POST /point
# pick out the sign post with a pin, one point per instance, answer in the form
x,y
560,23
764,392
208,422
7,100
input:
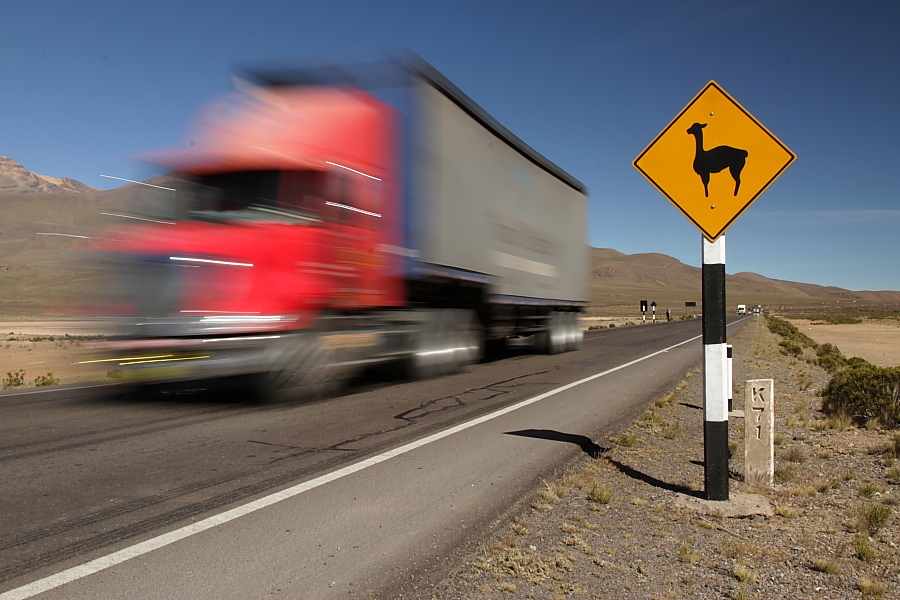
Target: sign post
x,y
715,372
712,162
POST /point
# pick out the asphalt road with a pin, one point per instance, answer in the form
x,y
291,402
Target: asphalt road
x,y
193,494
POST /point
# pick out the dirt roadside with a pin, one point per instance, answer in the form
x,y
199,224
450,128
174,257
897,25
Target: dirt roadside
x,y
616,525
37,349
57,347
877,341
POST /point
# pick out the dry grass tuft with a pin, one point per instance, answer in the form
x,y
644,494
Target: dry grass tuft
x,y
626,440
862,549
744,574
827,566
569,528
840,422
688,555
667,400
786,511
868,490
803,491
795,453
520,526
785,473
871,517
503,560
871,589
600,495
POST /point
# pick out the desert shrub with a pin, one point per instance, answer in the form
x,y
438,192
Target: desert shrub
x,y
48,379
870,518
830,358
789,332
836,319
790,348
14,379
857,361
827,348
865,392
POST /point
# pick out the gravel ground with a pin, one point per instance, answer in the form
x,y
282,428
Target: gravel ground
x,y
614,525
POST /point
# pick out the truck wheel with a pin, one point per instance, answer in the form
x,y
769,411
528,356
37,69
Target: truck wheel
x,y
559,333
553,339
472,338
577,332
449,342
301,367
424,358
445,341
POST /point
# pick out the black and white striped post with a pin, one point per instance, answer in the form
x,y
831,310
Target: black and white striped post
x,y
715,372
730,381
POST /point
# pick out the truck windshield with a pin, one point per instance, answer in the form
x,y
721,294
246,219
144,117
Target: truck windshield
x,y
254,196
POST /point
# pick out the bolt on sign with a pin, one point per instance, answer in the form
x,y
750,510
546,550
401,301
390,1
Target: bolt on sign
x,y
713,160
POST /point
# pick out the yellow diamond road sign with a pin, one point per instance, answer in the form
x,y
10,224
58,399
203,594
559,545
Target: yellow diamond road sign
x,y
713,160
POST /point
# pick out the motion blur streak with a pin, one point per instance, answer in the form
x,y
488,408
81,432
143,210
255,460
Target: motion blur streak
x,y
210,261
386,217
328,162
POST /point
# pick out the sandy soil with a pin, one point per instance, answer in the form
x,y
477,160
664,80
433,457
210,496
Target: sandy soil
x,y
877,341
57,347
40,348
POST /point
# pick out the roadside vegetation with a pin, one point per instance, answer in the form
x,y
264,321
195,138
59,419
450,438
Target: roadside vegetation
x,y
858,391
43,350
612,525
16,379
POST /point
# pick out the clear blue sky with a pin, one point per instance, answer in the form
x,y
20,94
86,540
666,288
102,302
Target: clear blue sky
x,y
588,84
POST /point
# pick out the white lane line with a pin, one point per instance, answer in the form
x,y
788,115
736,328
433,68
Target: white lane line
x,y
111,560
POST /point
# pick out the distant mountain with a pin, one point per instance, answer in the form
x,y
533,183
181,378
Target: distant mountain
x,y
16,178
618,279
42,230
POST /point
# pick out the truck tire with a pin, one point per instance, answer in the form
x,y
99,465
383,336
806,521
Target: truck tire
x,y
577,332
444,341
424,358
300,367
555,338
559,333
472,338
572,331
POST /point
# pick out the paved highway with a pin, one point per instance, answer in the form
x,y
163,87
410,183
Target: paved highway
x,y
196,494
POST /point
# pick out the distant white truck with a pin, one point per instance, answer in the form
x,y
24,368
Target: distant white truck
x,y
742,309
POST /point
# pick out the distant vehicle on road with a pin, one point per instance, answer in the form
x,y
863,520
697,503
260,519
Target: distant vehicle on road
x,y
742,309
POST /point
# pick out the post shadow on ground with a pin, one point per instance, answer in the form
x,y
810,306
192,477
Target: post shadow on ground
x,y
594,450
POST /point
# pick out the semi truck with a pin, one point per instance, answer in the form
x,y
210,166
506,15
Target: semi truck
x,y
325,219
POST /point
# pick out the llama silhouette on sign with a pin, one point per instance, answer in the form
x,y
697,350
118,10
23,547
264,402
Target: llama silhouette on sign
x,y
717,159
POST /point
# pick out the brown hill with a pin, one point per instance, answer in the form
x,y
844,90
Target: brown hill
x,y
42,231
623,280
42,235
16,178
